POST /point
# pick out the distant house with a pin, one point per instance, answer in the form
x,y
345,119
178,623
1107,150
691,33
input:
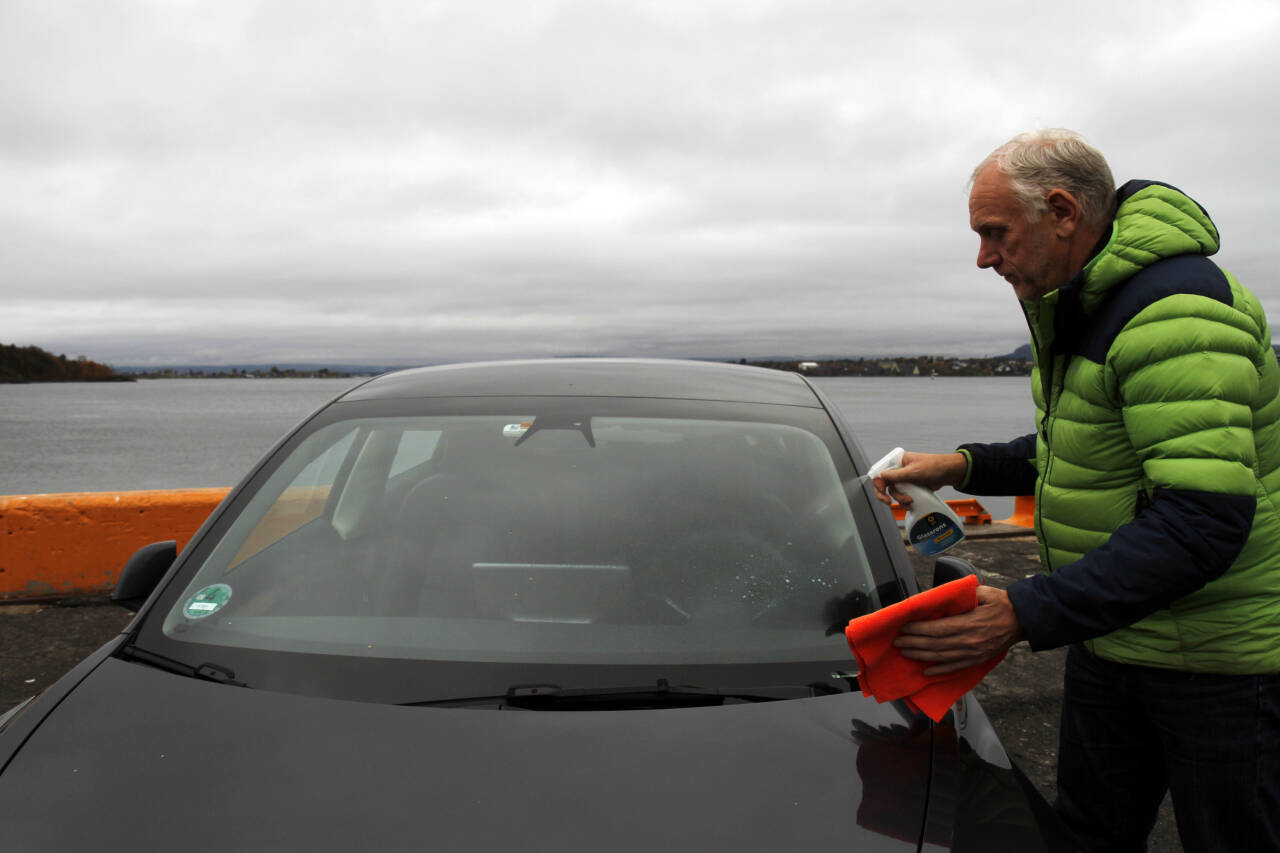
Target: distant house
x,y
808,365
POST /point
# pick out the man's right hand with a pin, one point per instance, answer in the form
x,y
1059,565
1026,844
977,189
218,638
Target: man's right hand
x,y
931,470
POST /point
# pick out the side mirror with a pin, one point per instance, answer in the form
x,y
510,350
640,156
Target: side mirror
x,y
142,572
948,569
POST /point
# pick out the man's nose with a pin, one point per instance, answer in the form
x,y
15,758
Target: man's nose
x,y
987,256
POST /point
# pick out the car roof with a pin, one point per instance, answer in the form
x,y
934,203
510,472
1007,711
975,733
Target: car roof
x,y
593,377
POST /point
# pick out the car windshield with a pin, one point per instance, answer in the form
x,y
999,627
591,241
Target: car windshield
x,y
544,533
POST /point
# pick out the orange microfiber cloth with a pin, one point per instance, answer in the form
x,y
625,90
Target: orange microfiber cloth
x,y
883,673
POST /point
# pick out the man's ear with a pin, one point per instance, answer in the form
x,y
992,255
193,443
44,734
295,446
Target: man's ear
x,y
1065,211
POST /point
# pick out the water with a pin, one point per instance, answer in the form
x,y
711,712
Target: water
x,y
184,433
153,434
934,415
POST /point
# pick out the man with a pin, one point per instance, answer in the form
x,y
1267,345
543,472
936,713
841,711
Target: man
x,y
1156,470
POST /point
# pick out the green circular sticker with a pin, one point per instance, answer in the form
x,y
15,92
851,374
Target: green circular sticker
x,y
207,601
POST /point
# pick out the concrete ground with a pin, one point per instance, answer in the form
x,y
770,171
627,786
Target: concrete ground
x,y
1023,696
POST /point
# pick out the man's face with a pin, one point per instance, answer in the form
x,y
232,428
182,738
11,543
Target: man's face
x,y
1026,254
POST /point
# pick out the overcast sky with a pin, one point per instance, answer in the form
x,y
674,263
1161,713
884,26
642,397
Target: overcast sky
x,y
404,183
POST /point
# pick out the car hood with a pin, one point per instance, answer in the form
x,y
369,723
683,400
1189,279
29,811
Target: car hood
x,y
145,759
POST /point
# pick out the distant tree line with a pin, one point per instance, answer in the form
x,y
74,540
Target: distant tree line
x,y
1016,363
238,373
918,365
32,364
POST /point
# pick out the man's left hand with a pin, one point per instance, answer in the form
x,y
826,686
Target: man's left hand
x,y
954,643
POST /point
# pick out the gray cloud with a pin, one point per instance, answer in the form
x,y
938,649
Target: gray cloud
x,y
407,182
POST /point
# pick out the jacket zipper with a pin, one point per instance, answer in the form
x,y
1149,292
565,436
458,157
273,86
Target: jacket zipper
x,y
1044,478
1044,427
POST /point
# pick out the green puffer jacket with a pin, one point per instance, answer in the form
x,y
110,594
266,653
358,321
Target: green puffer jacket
x,y
1156,456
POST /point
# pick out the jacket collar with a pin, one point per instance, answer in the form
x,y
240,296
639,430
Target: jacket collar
x,y
1153,220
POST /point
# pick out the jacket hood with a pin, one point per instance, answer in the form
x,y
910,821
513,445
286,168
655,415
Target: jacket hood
x,y
1153,221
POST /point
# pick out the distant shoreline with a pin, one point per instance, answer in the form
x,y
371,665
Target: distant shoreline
x,y
27,365
10,380
923,365
273,373
1009,365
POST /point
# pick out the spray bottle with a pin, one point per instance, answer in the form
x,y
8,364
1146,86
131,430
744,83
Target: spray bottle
x,y
932,527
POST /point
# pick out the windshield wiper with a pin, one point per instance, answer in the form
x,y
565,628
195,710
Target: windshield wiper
x,y
553,697
205,672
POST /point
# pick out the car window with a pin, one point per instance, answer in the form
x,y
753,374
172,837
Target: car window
x,y
303,498
416,447
553,536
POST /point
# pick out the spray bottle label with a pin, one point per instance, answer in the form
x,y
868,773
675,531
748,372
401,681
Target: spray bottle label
x,y
934,533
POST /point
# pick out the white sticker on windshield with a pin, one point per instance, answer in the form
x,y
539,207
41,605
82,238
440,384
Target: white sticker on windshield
x,y
516,430
207,601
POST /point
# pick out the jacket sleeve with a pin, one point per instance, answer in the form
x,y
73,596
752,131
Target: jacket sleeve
x,y
1183,540
1005,468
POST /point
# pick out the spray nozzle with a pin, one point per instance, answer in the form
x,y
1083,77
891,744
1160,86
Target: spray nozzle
x,y
892,459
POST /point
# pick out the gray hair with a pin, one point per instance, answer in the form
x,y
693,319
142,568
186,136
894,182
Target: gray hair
x,y
1043,160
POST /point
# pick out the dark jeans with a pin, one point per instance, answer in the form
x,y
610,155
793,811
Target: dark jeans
x,y
1129,733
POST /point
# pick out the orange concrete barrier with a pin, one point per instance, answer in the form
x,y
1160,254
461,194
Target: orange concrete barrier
x,y
54,546
970,511
1024,512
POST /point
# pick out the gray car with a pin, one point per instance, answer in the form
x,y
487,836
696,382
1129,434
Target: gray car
x,y
547,605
